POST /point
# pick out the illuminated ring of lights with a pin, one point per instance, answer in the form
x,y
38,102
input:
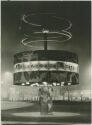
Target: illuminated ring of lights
x,y
24,19
26,41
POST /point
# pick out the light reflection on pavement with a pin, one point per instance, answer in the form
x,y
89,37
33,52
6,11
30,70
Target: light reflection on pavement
x,y
37,114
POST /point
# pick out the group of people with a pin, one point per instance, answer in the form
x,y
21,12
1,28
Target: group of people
x,y
45,100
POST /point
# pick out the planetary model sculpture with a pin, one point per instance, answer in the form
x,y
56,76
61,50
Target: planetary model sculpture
x,y
45,67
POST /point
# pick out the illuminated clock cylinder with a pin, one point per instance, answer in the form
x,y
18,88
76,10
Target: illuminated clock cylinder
x,y
51,66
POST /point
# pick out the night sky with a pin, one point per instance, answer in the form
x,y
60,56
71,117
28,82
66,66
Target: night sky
x,y
79,13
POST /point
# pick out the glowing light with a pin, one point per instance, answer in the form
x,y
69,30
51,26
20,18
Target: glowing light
x,y
36,65
54,83
45,83
27,83
36,84
23,84
24,19
27,19
69,83
58,84
62,83
26,42
32,85
45,31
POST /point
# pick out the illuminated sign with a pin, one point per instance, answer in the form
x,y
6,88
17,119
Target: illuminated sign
x,y
46,66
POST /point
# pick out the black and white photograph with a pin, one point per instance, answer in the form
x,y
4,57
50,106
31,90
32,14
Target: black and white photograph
x,y
45,62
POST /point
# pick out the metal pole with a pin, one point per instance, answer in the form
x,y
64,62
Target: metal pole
x,y
45,41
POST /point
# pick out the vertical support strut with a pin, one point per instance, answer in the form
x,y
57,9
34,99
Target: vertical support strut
x,y
45,41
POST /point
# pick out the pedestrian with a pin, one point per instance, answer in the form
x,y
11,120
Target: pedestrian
x,y
50,102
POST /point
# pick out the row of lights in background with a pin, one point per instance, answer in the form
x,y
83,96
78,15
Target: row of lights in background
x,y
45,84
